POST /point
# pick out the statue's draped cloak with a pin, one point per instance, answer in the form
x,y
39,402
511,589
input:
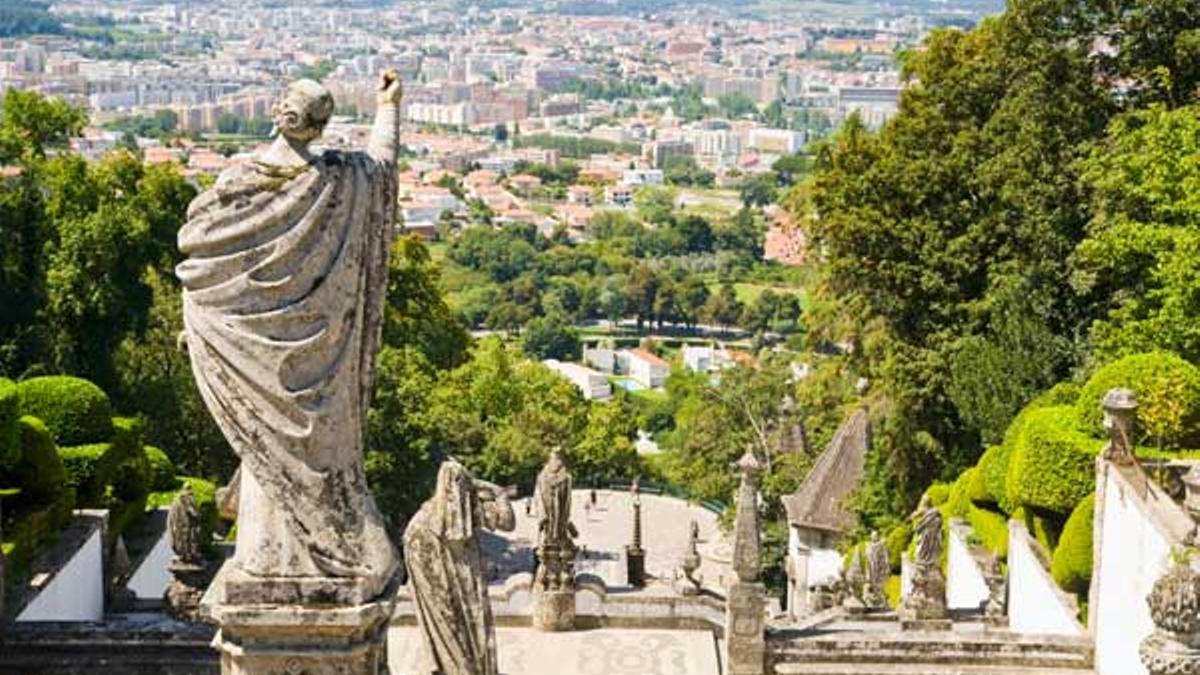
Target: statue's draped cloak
x,y
446,571
284,285
554,505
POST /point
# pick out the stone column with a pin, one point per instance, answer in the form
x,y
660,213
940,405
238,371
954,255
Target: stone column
x,y
745,615
1174,646
635,555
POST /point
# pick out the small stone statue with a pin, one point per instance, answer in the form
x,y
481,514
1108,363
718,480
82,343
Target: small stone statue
x,y
691,561
190,570
184,526
996,608
879,568
925,605
554,582
447,574
855,580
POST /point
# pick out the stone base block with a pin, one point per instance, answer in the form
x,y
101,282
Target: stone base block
x,y
554,610
926,624
243,589
745,633
279,638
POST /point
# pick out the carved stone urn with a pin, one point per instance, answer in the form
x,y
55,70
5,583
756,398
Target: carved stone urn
x,y
1174,646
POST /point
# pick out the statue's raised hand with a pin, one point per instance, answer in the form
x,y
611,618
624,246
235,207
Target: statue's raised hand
x,y
391,90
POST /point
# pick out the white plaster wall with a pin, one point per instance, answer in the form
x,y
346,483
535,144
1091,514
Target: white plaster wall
x,y
152,577
966,587
1133,554
1036,606
76,593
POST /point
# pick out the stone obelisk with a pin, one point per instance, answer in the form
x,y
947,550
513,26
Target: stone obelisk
x,y
745,612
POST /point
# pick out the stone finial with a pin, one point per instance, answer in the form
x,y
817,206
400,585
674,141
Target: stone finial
x,y
1120,411
1174,646
747,548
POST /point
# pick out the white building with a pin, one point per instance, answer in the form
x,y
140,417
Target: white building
x,y
705,359
645,368
639,177
592,384
776,141
603,359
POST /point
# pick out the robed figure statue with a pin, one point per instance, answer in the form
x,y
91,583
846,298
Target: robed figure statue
x,y
284,283
447,575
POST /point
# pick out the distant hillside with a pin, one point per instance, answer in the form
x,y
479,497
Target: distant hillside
x,y
21,17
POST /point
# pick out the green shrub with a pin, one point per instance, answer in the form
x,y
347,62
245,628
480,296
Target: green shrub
x,y
40,474
10,435
993,467
891,590
959,501
30,531
938,493
897,540
1051,466
1072,563
88,471
162,470
992,529
76,411
1168,393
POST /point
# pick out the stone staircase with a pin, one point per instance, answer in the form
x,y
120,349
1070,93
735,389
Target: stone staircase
x,y
877,646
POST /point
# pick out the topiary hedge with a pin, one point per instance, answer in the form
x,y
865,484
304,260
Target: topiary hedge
x,y
40,473
162,470
76,411
938,493
959,501
993,474
10,435
992,529
88,472
1168,393
1072,562
897,540
1051,466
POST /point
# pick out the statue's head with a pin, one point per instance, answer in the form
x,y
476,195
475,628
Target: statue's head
x,y
303,111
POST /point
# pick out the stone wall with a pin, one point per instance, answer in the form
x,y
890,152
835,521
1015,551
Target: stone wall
x,y
1137,525
76,591
1036,605
966,587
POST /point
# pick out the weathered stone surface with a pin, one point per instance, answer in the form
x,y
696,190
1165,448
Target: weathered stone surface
x,y
185,528
691,561
879,568
1174,646
554,583
284,281
745,616
925,605
1120,410
447,576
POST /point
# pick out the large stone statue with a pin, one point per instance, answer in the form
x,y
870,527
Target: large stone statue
x,y
925,605
554,584
446,572
283,290
284,285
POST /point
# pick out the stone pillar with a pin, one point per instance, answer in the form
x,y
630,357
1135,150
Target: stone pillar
x,y
1174,646
554,589
635,555
309,626
745,616
1120,409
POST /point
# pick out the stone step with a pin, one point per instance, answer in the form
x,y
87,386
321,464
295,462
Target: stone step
x,y
930,650
917,669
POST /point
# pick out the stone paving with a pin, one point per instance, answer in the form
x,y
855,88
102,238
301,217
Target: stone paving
x,y
606,528
524,651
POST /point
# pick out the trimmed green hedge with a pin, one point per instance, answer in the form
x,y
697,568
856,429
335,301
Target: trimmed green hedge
x,y
1052,462
1072,563
162,470
89,470
76,411
891,590
992,529
1168,392
938,493
10,435
993,475
897,540
959,501
40,474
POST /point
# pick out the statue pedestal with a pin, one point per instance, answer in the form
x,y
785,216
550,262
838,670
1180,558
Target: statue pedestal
x,y
554,589
925,607
313,637
745,632
186,589
554,611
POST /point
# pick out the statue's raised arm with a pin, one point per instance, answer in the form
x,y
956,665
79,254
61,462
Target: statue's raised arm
x,y
283,292
385,135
